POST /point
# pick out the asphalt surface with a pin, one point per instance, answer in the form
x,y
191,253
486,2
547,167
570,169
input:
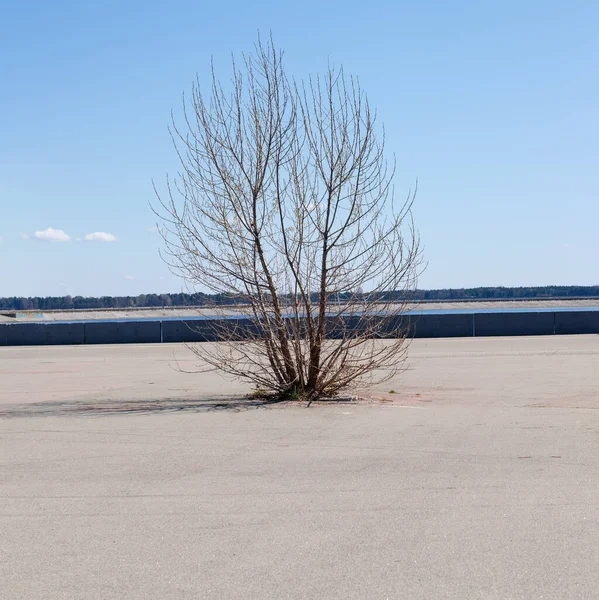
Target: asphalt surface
x,y
121,477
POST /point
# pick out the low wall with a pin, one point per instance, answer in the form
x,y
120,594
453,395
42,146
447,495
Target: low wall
x,y
521,323
208,330
186,331
39,334
574,322
447,325
418,326
123,332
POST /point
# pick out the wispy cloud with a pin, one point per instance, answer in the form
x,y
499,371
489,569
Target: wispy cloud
x,y
129,278
153,229
50,235
100,236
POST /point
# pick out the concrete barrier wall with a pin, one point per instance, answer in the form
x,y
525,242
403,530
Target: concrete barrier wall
x,y
340,327
207,330
415,325
185,331
3,332
574,322
38,334
448,325
419,326
122,332
528,323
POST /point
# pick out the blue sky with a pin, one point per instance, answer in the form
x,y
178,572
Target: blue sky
x,y
492,105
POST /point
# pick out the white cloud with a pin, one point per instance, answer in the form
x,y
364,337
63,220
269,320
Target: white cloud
x,y
129,278
25,236
50,235
100,236
152,229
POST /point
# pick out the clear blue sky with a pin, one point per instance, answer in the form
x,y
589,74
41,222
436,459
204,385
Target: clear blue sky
x,y
493,105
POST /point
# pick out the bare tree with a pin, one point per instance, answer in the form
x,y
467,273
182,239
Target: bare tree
x,y
285,202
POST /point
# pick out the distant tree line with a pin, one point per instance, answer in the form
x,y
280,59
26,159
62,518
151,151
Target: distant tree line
x,y
508,293
141,301
200,299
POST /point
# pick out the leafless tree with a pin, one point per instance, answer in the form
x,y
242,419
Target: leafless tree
x,y
285,202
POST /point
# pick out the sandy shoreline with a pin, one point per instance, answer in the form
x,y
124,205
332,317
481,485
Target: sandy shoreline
x,y
157,313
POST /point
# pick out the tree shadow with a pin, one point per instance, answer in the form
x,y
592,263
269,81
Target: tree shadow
x,y
139,406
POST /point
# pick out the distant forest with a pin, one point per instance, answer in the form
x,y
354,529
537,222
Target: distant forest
x,y
199,299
